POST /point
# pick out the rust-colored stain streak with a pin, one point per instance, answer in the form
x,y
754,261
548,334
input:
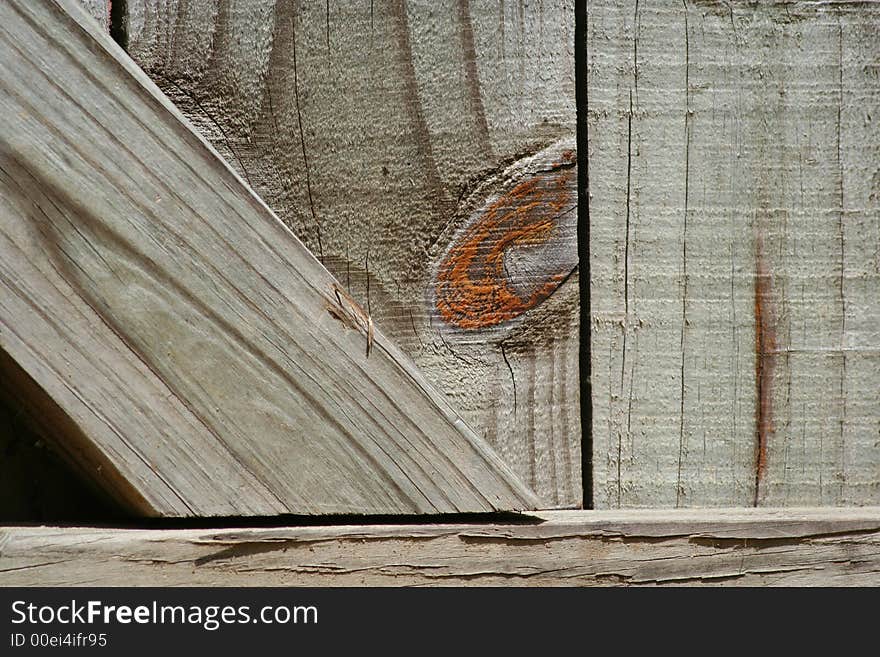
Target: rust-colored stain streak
x,y
765,349
474,287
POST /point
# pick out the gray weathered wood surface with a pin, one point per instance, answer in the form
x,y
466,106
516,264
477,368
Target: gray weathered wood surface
x,y
178,341
394,137
735,213
752,547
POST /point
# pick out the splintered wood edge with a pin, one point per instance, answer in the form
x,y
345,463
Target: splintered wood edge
x,y
788,547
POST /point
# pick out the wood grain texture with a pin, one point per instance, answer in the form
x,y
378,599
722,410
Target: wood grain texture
x,y
735,212
393,137
808,547
190,354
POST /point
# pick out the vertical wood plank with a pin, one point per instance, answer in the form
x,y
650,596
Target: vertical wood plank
x,y
732,154
860,214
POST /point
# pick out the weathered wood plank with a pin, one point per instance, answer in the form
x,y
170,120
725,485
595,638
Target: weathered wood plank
x,y
806,547
734,209
382,133
197,359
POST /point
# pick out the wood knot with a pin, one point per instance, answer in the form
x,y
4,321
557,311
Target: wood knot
x,y
517,249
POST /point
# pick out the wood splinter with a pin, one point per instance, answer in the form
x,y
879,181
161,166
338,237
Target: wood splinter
x,y
353,315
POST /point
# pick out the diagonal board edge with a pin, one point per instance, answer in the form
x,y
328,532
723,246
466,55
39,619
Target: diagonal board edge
x,y
203,361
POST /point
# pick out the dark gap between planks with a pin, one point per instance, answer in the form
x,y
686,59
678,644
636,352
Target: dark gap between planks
x,y
290,520
118,23
583,242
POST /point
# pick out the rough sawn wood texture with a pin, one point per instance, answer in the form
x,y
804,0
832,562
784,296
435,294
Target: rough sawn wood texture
x,y
735,216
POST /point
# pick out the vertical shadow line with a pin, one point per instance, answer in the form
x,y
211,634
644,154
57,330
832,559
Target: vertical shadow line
x,y
119,23
583,240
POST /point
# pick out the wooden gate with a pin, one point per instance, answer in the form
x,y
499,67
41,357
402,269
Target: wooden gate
x,y
277,259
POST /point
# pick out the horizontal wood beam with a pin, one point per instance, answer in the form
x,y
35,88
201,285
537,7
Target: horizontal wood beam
x,y
171,335
793,547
